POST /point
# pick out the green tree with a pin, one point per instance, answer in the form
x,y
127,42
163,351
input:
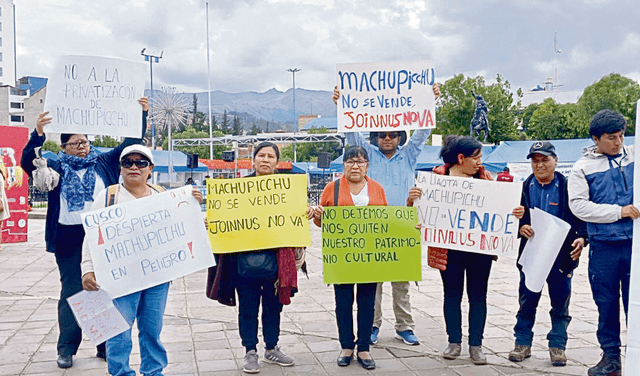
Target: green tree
x,y
224,127
525,115
255,129
308,151
458,105
50,146
201,150
551,121
194,111
613,92
105,141
237,127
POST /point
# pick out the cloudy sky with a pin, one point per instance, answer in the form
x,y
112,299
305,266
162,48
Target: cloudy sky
x,y
254,42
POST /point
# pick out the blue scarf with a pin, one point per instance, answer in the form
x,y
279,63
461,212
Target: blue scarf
x,y
74,190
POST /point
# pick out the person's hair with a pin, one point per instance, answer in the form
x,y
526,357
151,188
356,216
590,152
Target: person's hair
x,y
606,121
266,144
454,145
506,169
64,138
355,151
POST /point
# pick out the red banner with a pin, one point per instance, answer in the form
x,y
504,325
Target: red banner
x,y
12,142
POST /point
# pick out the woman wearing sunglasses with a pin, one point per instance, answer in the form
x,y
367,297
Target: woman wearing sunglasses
x,y
83,174
146,306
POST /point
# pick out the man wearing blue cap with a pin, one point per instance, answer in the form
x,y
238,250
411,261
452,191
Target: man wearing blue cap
x,y
546,190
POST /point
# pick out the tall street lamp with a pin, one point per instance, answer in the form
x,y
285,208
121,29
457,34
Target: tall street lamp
x,y
151,59
295,123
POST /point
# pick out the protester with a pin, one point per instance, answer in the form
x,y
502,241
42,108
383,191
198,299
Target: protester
x,y
546,189
4,205
505,175
353,189
462,156
601,194
84,172
394,167
269,275
146,306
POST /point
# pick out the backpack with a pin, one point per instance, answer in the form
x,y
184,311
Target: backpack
x,y
112,193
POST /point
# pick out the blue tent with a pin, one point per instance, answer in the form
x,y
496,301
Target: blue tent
x,y
312,168
516,152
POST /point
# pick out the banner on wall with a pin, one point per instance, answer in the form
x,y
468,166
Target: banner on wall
x,y
258,212
467,214
12,141
96,95
370,244
395,96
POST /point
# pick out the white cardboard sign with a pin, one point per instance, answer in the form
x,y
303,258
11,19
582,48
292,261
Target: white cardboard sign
x,y
96,95
97,316
145,242
385,97
467,214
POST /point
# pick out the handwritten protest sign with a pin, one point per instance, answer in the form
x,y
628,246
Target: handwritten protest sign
x,y
97,316
370,244
145,242
96,95
468,214
386,96
257,213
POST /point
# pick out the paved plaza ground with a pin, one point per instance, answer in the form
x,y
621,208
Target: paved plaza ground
x,y
201,336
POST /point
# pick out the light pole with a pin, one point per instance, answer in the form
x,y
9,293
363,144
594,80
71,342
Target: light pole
x,y
295,123
209,85
151,59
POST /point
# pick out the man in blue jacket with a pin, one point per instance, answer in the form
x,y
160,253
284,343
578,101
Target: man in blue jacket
x,y
601,194
546,190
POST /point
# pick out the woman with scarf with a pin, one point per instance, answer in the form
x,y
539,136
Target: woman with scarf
x,y
462,156
269,275
84,172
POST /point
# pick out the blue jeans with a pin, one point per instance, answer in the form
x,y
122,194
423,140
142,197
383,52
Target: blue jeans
x,y
559,285
365,298
147,307
477,268
609,274
250,291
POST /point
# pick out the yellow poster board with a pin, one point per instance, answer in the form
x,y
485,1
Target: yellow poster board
x,y
258,212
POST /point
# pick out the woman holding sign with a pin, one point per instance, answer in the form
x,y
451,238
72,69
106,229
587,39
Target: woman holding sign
x,y
84,172
462,156
268,275
146,306
353,189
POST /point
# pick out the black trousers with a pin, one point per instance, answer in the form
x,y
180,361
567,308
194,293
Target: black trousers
x,y
250,292
365,298
68,258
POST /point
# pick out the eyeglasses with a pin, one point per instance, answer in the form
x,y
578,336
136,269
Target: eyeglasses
x,y
140,163
360,163
78,144
391,135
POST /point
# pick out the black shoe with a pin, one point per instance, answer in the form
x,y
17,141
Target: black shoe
x,y
101,354
609,366
367,363
65,361
344,361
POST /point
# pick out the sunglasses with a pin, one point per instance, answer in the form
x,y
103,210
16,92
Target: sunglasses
x,y
140,163
391,135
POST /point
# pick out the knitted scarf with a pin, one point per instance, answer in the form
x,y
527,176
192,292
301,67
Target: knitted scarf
x,y
74,190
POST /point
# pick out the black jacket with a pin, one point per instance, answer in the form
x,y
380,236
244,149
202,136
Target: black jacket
x,y
107,167
578,228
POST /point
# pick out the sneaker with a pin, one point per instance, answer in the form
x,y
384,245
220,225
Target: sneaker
x,y
407,337
251,364
452,351
558,357
477,356
609,366
520,353
374,335
276,356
